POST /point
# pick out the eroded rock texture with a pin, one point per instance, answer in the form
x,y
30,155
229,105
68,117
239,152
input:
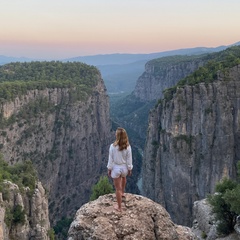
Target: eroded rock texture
x,y
67,140
141,219
34,222
193,142
163,73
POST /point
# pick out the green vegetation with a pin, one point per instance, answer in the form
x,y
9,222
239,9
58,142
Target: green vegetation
x,y
102,187
115,98
17,78
22,174
31,109
208,110
187,138
215,62
226,204
62,226
14,216
204,235
51,234
160,64
127,104
178,118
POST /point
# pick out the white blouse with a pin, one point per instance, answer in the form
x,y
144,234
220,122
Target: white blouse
x,y
119,157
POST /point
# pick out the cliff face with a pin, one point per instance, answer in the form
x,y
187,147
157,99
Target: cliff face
x,y
22,216
193,142
140,219
66,140
159,76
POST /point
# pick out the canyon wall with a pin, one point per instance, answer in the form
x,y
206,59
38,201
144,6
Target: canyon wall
x,y
192,142
65,136
164,73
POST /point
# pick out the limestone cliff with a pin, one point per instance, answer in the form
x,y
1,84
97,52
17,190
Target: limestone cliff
x,y
22,215
140,219
65,133
192,142
163,73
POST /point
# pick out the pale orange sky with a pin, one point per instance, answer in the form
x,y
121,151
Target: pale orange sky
x,y
57,29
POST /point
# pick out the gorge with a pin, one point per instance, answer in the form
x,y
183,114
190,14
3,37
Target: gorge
x,y
183,115
192,131
193,137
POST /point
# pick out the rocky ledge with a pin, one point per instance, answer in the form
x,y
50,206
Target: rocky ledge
x,y
140,219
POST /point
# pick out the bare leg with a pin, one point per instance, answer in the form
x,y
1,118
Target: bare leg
x,y
118,188
124,181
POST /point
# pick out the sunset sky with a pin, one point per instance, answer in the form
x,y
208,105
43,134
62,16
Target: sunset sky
x,y
57,29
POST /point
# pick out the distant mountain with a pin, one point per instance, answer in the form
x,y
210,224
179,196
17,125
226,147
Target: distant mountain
x,y
121,78
117,58
120,58
121,71
5,59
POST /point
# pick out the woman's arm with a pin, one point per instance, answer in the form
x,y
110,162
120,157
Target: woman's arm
x,y
129,158
110,158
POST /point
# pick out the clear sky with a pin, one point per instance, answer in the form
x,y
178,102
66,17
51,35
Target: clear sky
x,y
57,29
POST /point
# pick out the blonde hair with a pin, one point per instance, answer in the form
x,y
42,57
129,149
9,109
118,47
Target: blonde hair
x,y
121,139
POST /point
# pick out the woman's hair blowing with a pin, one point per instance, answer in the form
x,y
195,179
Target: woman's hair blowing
x,y
121,139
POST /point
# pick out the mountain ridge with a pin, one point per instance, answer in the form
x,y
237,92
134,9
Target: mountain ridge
x,y
120,71
123,58
120,58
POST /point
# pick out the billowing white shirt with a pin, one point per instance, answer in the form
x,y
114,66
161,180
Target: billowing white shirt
x,y
119,157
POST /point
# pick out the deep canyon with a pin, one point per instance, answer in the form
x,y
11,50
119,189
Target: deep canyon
x,y
60,120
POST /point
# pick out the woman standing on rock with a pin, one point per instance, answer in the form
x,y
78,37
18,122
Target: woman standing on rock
x,y
120,164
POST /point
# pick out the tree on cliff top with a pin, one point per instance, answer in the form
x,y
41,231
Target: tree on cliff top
x,y
215,63
17,78
22,174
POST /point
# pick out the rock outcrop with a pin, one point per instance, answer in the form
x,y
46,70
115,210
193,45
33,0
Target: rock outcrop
x,y
22,215
141,219
67,140
205,225
193,142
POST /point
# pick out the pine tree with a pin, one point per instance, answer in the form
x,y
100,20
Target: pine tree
x,y
102,187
